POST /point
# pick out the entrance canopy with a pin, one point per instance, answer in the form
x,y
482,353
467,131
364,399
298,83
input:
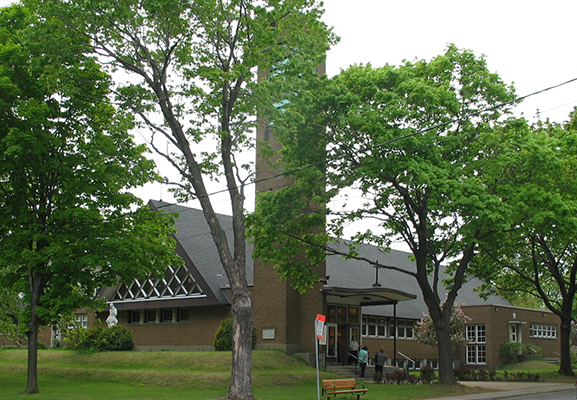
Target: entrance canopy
x,y
373,296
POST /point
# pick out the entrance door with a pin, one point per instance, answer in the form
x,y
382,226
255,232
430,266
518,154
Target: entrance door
x,y
514,333
332,341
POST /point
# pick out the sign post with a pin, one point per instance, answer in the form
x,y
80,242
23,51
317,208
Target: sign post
x,y
319,333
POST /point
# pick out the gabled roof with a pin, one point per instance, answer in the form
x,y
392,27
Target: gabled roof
x,y
345,277
361,274
193,235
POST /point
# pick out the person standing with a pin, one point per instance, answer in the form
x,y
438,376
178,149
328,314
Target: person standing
x,y
353,350
380,360
363,360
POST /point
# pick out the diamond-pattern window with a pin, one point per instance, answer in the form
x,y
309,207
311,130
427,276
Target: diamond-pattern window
x,y
177,282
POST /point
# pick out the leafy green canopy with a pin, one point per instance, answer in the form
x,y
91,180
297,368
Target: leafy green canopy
x,y
67,221
195,70
196,64
534,173
405,139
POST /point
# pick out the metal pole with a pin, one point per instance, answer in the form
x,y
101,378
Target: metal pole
x,y
395,337
317,363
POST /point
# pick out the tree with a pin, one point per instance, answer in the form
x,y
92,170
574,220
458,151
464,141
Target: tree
x,y
194,67
535,174
68,225
405,138
10,314
425,329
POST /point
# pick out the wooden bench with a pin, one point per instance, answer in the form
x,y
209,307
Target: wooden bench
x,y
332,387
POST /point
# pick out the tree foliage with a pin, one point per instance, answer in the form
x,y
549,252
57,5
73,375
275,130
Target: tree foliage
x,y
101,338
534,170
405,140
223,336
194,69
425,329
68,225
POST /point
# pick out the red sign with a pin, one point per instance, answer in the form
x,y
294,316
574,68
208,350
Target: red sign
x,y
320,327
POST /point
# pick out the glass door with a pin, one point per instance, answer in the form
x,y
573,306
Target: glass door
x,y
332,341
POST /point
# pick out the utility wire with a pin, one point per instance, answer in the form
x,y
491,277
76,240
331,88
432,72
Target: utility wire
x,y
328,160
418,132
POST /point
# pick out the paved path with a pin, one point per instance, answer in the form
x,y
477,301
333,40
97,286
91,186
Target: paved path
x,y
505,390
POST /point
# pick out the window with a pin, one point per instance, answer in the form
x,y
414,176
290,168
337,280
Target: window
x,y
81,320
150,316
353,315
134,317
166,315
183,315
178,281
543,331
476,349
409,330
365,327
332,314
374,326
382,327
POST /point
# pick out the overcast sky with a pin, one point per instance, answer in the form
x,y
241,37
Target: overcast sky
x,y
530,43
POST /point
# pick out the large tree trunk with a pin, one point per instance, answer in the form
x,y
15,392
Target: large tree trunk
x,y
241,375
35,290
565,368
445,348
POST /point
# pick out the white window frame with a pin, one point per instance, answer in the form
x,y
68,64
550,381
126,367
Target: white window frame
x,y
374,326
81,320
544,331
476,347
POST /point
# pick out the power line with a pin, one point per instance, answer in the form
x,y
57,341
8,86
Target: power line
x,y
326,161
418,132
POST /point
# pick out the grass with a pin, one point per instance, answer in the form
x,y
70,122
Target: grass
x,y
546,371
65,374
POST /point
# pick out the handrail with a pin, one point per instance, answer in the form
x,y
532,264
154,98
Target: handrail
x,y
410,359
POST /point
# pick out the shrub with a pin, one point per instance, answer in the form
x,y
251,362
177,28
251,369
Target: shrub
x,y
98,338
223,336
466,374
427,373
512,352
401,377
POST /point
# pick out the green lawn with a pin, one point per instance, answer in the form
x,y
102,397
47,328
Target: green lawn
x,y
65,374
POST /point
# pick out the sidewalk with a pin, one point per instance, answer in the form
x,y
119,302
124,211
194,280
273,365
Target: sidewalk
x,y
503,390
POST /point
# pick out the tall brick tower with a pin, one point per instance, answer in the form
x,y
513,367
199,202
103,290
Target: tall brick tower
x,y
283,318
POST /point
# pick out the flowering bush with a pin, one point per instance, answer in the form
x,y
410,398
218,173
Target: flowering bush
x,y
401,377
425,329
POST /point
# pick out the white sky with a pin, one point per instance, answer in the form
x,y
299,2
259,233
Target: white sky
x,y
531,43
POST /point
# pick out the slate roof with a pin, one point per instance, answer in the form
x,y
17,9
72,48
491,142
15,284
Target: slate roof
x,y
194,236
360,274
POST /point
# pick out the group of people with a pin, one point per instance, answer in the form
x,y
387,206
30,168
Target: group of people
x,y
363,357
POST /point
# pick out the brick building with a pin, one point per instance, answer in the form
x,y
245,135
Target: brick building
x,y
183,310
